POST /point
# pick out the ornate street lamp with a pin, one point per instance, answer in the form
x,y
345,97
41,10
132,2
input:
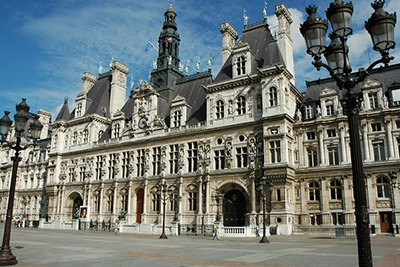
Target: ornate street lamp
x,y
218,197
393,178
165,194
381,28
261,188
21,118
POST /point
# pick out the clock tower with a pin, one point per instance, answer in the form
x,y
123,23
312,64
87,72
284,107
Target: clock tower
x,y
167,71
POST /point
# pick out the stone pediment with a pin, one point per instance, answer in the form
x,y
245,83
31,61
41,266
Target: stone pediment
x,y
143,89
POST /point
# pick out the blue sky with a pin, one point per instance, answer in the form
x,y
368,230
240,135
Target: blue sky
x,y
47,45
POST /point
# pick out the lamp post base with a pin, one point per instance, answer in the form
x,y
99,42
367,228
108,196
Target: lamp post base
x,y
7,258
163,236
264,239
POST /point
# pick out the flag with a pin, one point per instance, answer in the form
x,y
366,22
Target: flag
x,y
148,47
168,40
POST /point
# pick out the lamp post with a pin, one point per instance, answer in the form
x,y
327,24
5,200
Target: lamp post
x,y
381,28
218,196
21,118
393,178
262,191
165,194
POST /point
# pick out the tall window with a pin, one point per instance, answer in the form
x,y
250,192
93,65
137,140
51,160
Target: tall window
x,y
275,151
312,157
177,118
373,99
329,109
241,157
273,97
156,160
336,190
79,110
140,159
155,202
99,167
82,173
337,218
314,191
192,201
219,159
86,136
379,150
333,155
125,164
376,127
112,166
219,109
116,130
124,202
241,65
192,157
110,202
241,105
311,135
75,139
173,159
383,187
331,132
309,112
97,203
71,174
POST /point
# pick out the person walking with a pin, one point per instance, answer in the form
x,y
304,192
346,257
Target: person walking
x,y
216,232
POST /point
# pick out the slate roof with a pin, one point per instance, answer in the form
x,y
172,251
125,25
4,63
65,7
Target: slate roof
x,y
385,75
262,44
64,114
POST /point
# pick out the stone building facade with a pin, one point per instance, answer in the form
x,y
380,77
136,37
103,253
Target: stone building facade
x,y
210,141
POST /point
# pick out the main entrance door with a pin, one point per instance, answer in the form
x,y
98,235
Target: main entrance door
x,y
386,222
139,205
234,208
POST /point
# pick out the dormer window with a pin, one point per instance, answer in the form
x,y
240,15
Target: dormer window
x,y
177,118
329,109
116,130
373,100
309,112
79,110
241,65
219,109
241,105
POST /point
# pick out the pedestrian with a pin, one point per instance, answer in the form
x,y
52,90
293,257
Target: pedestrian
x,y
116,230
216,232
257,231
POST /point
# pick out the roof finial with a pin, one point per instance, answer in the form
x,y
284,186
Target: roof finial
x,y
65,99
198,65
112,60
265,10
100,68
209,62
245,17
170,3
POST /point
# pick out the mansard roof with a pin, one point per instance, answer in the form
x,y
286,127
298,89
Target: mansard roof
x,y
385,75
263,46
99,96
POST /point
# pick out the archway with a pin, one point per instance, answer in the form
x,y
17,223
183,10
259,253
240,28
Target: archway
x,y
139,205
74,203
234,208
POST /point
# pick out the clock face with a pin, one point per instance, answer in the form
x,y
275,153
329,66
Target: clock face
x,y
143,123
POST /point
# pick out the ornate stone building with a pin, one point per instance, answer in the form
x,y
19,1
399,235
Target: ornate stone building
x,y
210,141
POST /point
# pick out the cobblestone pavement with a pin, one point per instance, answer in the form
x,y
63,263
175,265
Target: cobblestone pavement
x,y
59,248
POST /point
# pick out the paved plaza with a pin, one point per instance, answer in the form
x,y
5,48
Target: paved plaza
x,y
59,248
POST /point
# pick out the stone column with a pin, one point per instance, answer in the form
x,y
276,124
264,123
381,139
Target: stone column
x,y
146,194
301,148
200,200
342,135
321,145
129,198
389,138
89,194
253,193
114,208
303,202
101,199
207,196
324,198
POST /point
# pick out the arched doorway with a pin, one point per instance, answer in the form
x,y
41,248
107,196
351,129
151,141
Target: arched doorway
x,y
73,207
234,208
139,205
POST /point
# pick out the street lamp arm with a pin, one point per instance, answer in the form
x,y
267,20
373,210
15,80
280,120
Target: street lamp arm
x,y
318,63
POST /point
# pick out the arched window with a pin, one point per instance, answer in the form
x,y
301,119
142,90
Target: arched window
x,y
219,109
314,191
241,105
382,187
336,190
273,96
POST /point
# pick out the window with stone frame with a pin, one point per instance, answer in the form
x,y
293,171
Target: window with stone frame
x,y
192,201
259,102
336,189
219,159
275,151
241,65
338,218
110,202
398,124
331,133
112,166
311,135
71,174
97,202
241,157
99,167
124,202
373,100
173,201
192,157
155,202
376,127
177,118
309,112
383,187
140,162
126,159
82,173
173,159
312,157
329,108
219,109
273,96
314,189
156,162
379,150
75,139
116,130
86,136
333,155
79,109
241,105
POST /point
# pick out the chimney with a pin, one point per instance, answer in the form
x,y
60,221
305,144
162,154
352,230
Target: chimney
x,y
229,37
118,86
88,81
